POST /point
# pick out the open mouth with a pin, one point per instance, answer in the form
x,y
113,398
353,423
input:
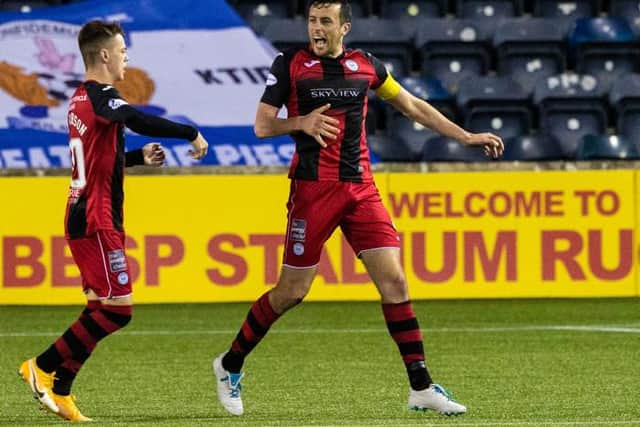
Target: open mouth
x,y
319,42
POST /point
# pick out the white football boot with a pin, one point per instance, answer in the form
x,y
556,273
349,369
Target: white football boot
x,y
228,387
435,398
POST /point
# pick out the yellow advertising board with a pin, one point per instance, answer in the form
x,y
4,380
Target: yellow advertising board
x,y
207,238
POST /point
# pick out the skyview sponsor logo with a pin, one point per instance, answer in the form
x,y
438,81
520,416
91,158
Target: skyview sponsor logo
x,y
327,92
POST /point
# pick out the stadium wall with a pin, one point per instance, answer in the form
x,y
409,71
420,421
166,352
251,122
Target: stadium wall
x,y
219,238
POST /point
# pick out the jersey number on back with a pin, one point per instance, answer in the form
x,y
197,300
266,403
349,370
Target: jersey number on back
x,y
78,178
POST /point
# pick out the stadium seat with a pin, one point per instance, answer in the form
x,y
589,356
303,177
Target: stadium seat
x,y
494,104
604,47
412,9
571,106
389,150
607,147
529,49
259,13
628,10
488,9
413,134
624,97
385,40
409,134
453,49
24,6
430,90
286,33
443,149
566,9
534,148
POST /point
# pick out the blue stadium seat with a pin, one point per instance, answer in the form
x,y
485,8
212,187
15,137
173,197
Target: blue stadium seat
x,y
361,8
532,148
412,9
495,104
430,90
607,147
628,10
390,150
414,135
385,40
571,106
567,9
443,149
488,9
259,13
529,49
25,6
409,134
604,47
285,33
624,97
454,49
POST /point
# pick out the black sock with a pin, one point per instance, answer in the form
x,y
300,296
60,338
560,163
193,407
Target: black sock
x,y
418,375
233,361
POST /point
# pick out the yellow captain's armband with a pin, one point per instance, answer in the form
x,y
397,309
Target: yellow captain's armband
x,y
389,89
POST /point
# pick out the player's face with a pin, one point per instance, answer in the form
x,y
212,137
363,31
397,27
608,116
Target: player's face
x,y
117,57
325,30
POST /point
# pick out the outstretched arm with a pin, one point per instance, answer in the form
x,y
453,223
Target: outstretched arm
x,y
422,112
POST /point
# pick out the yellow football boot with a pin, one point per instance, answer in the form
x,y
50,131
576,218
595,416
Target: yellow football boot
x,y
68,409
39,382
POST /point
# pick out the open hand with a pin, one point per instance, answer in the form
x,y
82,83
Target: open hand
x,y
319,126
492,144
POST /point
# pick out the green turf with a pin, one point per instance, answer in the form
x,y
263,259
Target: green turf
x,y
334,364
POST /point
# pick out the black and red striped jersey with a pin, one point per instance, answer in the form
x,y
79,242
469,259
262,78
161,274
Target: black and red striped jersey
x,y
97,116
303,82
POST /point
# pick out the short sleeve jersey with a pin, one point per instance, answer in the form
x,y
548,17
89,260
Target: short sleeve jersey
x,y
303,82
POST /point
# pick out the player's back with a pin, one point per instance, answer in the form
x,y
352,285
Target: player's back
x,y
97,154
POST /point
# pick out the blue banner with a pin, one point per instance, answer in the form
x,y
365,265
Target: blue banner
x,y
191,61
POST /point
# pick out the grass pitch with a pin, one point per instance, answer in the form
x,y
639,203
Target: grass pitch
x,y
512,362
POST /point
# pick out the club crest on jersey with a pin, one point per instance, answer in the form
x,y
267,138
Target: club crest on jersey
x,y
117,260
115,103
298,249
298,230
351,64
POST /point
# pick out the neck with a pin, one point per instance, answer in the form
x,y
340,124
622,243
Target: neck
x,y
99,75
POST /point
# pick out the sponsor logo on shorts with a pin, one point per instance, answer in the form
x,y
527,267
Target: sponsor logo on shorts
x,y
298,230
298,249
117,260
123,278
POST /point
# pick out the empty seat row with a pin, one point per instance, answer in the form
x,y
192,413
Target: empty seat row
x,y
409,9
531,147
453,49
565,107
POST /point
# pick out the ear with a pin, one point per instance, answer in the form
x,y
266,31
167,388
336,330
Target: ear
x,y
346,27
104,55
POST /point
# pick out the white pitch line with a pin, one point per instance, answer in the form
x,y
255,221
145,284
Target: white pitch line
x,y
552,328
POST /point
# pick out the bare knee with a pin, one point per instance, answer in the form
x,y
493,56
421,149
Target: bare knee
x,y
287,294
394,289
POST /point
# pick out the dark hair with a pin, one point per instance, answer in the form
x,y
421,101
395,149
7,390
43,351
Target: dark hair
x,y
345,8
93,36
